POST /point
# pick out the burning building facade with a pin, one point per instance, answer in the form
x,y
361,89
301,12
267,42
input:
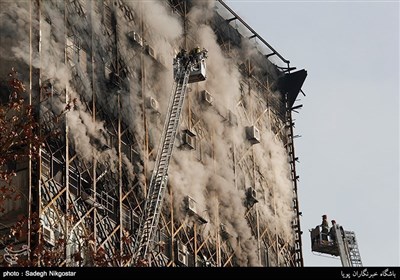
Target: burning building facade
x,y
231,198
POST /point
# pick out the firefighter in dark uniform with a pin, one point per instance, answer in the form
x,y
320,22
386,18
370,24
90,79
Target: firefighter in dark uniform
x,y
194,55
325,228
332,234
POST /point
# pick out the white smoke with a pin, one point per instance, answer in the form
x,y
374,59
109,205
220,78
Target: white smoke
x,y
158,18
52,64
231,214
278,213
15,27
211,182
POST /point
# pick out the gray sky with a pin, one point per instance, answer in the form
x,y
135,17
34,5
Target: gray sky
x,y
349,123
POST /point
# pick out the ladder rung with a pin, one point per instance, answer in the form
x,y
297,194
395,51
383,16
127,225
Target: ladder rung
x,y
157,188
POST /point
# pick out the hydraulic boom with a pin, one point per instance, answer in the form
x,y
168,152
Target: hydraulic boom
x,y
188,68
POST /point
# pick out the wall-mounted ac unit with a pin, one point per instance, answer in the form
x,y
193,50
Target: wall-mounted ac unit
x,y
182,259
151,52
232,118
223,227
153,104
128,71
115,80
224,231
189,139
70,50
191,204
161,59
48,235
181,247
207,97
181,253
107,71
252,195
253,134
135,38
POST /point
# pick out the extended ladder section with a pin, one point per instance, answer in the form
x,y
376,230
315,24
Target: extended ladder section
x,y
354,253
337,243
188,68
342,248
348,248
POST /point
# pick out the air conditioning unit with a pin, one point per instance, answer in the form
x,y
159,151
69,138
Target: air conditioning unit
x,y
115,80
135,38
107,71
253,134
48,235
224,232
182,259
252,195
128,71
223,227
181,247
207,97
70,50
162,60
232,118
191,204
181,253
153,104
150,51
189,139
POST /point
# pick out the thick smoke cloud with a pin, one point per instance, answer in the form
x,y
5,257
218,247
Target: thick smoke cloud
x,y
219,192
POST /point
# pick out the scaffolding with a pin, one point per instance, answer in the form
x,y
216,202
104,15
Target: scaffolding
x,y
94,202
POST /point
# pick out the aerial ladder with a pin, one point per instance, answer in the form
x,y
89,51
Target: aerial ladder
x,y
338,242
188,68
